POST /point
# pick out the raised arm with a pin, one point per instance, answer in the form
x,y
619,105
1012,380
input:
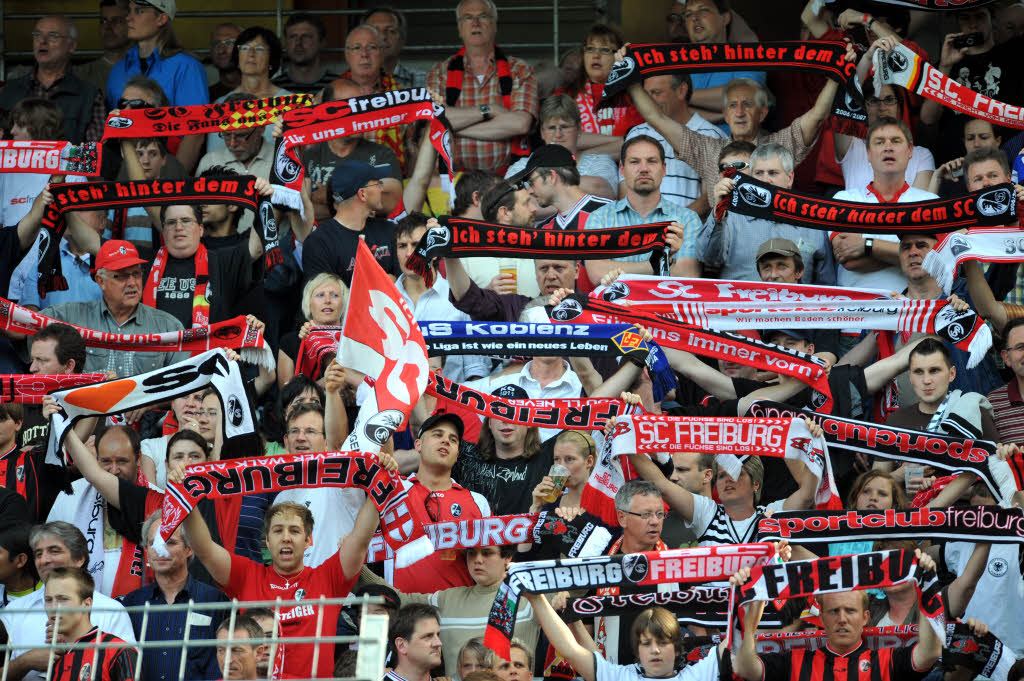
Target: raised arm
x,y
264,189
929,647
415,192
105,483
745,663
803,497
353,546
990,309
962,588
335,415
562,638
214,557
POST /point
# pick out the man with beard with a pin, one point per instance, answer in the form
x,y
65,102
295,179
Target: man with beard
x,y
118,271
304,38
552,179
642,164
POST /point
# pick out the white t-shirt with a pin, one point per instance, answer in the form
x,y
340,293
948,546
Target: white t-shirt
x,y
19,190
997,599
890,278
28,630
156,449
705,670
857,170
335,511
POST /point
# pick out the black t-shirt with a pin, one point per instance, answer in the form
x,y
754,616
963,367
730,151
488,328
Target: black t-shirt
x,y
332,248
506,484
10,254
35,430
230,280
913,418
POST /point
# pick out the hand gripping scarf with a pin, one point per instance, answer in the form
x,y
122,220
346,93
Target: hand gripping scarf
x,y
690,566
994,206
825,57
32,388
727,437
463,238
211,369
353,116
797,579
706,606
234,334
54,158
908,70
661,295
719,345
951,454
570,413
987,524
355,470
199,119
984,244
237,190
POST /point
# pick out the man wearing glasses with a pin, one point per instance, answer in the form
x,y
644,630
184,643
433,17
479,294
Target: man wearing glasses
x,y
244,150
115,42
491,99
54,40
118,271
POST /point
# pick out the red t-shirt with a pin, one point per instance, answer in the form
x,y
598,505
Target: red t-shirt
x,y
444,568
251,581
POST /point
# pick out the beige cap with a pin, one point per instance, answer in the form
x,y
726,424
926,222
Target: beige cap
x,y
783,247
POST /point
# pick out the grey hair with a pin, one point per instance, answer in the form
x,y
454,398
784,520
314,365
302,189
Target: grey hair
x,y
68,534
771,150
492,9
154,519
70,25
367,27
762,97
633,488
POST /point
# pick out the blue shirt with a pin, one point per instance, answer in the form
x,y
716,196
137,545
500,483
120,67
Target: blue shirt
x,y
703,81
161,664
182,77
81,286
621,214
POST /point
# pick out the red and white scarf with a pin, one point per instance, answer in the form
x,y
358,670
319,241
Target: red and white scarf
x,y
661,295
906,68
32,388
233,334
54,158
356,470
984,244
200,304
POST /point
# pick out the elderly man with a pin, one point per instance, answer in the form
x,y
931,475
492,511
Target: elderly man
x,y
115,42
304,39
54,40
118,271
393,30
490,113
733,242
244,151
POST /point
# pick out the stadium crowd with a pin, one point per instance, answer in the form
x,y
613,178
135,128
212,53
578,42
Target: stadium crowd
x,y
531,146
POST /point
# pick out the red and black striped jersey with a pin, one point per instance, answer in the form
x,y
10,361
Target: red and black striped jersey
x,y
110,664
860,664
39,483
576,217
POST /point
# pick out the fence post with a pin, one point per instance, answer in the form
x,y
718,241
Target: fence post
x,y
185,649
373,636
142,639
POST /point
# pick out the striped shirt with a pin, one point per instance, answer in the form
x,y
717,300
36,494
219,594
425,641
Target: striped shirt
x,y
621,214
1008,412
860,664
101,664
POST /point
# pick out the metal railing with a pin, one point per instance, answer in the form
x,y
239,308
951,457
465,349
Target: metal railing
x,y
280,15
371,640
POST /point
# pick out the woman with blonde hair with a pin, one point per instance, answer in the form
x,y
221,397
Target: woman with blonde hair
x,y
324,300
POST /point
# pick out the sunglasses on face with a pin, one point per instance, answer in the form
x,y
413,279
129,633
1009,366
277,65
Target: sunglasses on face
x,y
133,104
738,165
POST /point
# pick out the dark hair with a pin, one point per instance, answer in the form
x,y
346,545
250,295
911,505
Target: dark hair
x,y
600,31
501,195
224,171
43,119
637,140
307,18
1016,672
295,387
143,142
887,122
191,436
387,9
569,175
986,154
133,437
273,42
683,79
86,584
301,409
661,625
152,87
246,622
410,223
1010,326
13,411
485,444
929,346
110,3
473,181
69,344
899,497
736,147
196,211
408,617
14,540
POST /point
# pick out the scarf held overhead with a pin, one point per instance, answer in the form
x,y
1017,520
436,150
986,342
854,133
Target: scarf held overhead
x,y
907,69
718,345
690,566
237,190
992,206
234,334
54,158
706,606
463,238
358,470
31,388
658,295
354,116
983,244
199,119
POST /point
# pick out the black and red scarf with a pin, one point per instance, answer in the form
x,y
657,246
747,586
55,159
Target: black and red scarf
x,y
201,265
238,190
731,347
993,206
200,119
464,238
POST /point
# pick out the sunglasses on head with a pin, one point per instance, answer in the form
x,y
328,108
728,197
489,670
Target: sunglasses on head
x,y
133,104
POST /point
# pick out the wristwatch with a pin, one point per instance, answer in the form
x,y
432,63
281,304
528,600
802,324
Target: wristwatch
x,y
868,243
485,111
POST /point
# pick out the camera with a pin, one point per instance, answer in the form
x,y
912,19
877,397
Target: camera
x,y
968,40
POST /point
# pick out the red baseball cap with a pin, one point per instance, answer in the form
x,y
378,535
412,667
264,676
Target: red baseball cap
x,y
116,255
